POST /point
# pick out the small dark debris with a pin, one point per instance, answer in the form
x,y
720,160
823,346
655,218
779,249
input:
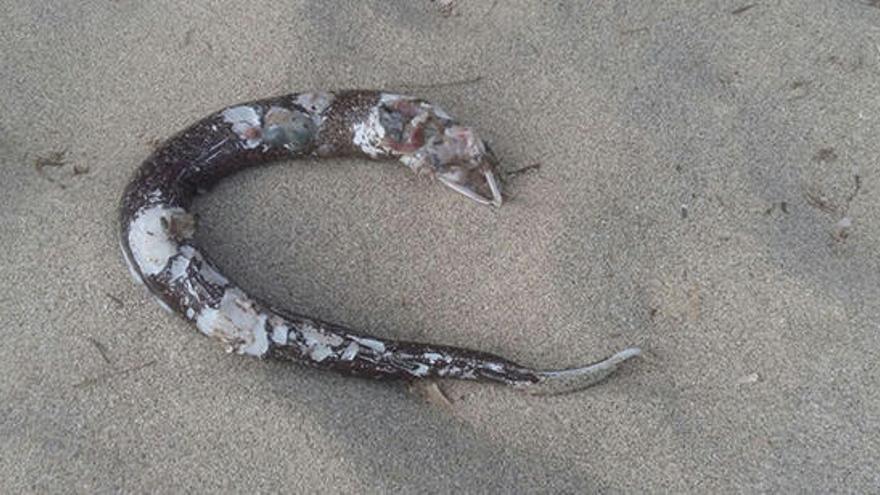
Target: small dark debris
x,y
845,65
825,155
102,349
856,189
53,159
188,37
115,299
80,169
446,7
743,9
842,229
684,212
527,168
728,79
783,207
628,32
818,200
121,373
799,90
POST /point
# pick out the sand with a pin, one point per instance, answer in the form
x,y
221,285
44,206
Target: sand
x,y
706,190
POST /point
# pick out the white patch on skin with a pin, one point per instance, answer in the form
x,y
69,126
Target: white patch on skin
x,y
453,370
210,274
320,353
189,252
244,118
411,161
421,370
350,352
193,287
178,267
277,115
393,97
368,135
207,271
433,357
155,196
315,102
456,372
151,246
237,323
494,367
440,113
370,343
318,343
280,333
130,264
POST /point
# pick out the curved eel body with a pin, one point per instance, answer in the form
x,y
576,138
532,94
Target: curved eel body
x,y
157,230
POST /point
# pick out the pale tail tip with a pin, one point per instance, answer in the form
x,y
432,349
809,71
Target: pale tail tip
x,y
574,379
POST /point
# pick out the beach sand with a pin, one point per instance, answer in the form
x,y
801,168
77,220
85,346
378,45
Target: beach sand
x,y
707,190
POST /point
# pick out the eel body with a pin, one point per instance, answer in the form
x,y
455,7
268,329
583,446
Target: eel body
x,y
157,230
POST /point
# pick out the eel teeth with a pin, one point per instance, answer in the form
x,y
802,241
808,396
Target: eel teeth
x,y
493,186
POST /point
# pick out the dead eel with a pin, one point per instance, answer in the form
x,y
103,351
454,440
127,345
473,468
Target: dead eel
x,y
157,230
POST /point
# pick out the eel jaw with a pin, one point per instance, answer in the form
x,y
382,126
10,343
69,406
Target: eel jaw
x,y
479,185
575,379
